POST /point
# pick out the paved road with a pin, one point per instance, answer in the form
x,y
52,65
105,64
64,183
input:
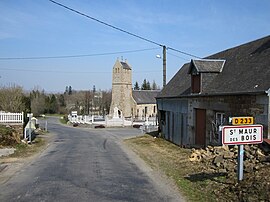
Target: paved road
x,y
85,165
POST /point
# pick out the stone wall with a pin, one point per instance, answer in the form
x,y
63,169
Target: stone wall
x,y
151,110
256,106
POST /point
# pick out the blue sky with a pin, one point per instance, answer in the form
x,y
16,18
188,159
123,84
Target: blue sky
x,y
31,28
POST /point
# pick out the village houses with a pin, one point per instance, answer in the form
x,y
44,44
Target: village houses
x,y
204,93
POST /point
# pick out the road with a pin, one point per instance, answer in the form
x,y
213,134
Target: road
x,y
82,164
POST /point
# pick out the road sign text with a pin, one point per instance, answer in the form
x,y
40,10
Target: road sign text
x,y
250,134
242,120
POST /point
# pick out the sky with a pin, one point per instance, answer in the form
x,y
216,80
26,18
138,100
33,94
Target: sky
x,y
33,33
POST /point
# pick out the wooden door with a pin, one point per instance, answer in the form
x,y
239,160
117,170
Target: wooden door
x,y
200,137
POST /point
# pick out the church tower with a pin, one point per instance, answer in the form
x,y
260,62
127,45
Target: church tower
x,y
121,88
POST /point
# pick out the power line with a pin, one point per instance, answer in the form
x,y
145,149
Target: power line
x,y
68,72
177,56
104,23
185,53
121,30
74,56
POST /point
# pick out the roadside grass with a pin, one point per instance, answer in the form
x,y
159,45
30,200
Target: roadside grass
x,y
174,162
26,150
63,120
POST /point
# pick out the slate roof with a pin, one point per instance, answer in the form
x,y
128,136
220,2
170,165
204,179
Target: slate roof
x,y
207,65
246,70
125,65
145,96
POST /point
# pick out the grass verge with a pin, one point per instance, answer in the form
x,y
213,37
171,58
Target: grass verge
x,y
26,150
174,162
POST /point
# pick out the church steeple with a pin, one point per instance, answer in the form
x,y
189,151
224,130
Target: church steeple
x,y
121,87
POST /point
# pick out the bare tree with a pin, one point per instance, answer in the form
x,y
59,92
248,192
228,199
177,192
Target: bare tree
x,y
11,98
106,101
37,102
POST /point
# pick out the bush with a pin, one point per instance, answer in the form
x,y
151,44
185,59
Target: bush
x,y
7,136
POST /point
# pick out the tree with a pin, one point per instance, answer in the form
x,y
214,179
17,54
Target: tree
x,y
136,86
146,85
37,102
11,99
87,102
66,91
154,85
61,100
53,104
106,101
26,100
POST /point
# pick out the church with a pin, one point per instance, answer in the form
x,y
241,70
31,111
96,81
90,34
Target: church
x,y
129,103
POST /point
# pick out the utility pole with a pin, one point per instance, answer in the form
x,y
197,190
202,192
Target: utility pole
x,y
164,66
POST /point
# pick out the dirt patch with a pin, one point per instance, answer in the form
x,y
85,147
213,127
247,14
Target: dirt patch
x,y
10,135
198,180
23,154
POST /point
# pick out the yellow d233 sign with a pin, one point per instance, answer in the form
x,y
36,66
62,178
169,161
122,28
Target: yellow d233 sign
x,y
246,120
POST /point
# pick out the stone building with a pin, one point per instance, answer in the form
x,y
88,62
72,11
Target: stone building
x,y
206,92
130,103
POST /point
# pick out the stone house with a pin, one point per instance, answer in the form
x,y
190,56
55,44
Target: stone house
x,y
139,104
204,93
144,103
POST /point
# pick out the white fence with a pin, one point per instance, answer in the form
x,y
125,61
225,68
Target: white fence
x,y
11,118
147,125
85,119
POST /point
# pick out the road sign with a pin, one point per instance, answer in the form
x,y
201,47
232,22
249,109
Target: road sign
x,y
246,134
246,120
30,115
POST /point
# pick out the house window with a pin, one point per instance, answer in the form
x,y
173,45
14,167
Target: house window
x,y
196,83
219,118
154,109
216,133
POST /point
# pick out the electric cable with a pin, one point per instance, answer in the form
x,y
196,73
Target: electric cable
x,y
104,23
120,29
74,56
68,72
178,56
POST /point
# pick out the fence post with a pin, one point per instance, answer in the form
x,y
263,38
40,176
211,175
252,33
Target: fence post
x,y
46,126
30,121
22,117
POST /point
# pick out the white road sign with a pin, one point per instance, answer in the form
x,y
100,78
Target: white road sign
x,y
29,114
246,134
